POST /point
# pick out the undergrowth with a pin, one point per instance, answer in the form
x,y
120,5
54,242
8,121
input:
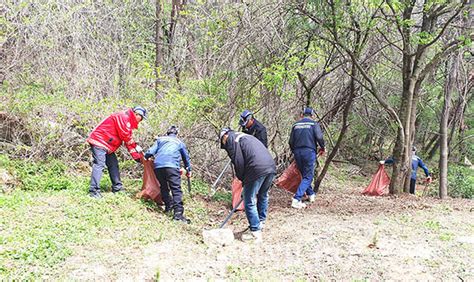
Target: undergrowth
x,y
48,217
461,181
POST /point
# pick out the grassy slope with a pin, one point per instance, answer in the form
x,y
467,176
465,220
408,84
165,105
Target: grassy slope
x,y
65,234
40,230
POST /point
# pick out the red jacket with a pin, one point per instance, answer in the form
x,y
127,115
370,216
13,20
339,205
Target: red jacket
x,y
114,130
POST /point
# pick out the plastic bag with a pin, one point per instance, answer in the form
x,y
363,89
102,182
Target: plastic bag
x,y
290,178
379,183
237,194
151,186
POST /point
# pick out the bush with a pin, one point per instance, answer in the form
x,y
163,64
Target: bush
x,y
461,181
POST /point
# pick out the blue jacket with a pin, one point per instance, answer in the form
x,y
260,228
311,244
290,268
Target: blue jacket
x,y
306,133
415,163
168,152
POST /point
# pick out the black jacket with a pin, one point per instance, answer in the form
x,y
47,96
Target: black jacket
x,y
258,131
250,158
306,133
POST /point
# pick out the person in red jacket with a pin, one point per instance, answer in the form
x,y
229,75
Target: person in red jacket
x,y
106,138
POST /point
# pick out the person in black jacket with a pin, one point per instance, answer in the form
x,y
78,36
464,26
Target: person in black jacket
x,y
253,127
255,167
305,136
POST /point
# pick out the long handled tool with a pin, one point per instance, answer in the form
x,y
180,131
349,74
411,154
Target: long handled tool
x,y
213,187
231,213
189,186
221,236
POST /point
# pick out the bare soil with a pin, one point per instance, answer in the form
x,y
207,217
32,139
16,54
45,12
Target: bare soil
x,y
343,235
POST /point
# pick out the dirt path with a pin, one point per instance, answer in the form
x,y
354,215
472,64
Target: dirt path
x,y
342,236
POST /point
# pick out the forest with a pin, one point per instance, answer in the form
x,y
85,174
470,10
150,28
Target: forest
x,y
382,76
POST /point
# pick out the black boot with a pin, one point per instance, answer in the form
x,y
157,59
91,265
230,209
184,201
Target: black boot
x,y
178,214
95,195
182,219
168,209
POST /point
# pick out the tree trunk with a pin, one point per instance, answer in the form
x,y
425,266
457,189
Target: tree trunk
x,y
451,73
402,151
176,7
345,126
158,46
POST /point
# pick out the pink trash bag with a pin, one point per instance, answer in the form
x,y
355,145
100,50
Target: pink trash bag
x,y
379,183
237,194
151,186
290,179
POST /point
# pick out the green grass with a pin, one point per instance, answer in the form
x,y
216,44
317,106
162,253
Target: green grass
x,y
446,236
39,230
433,225
49,217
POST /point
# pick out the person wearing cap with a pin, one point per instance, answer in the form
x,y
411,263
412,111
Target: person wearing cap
x,y
416,162
255,167
306,135
252,126
105,139
168,151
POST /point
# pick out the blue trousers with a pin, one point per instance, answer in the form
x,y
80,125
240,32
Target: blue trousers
x,y
305,160
102,159
256,200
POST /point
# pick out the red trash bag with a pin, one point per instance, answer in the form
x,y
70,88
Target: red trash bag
x,y
237,194
290,179
379,182
151,186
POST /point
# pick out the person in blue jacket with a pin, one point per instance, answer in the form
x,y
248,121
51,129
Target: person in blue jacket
x,y
416,162
168,151
306,135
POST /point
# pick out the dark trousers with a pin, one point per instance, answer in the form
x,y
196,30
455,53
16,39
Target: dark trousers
x,y
170,180
305,161
412,185
102,159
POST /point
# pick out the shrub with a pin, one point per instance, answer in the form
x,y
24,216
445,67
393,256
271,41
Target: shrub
x,y
461,181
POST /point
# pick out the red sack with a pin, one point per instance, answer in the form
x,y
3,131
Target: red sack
x,y
290,179
151,186
379,182
237,194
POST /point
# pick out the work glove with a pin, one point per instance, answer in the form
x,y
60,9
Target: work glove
x,y
139,149
137,157
188,174
321,152
429,179
382,162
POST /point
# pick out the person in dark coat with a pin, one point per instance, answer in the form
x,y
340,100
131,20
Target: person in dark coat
x,y
416,162
306,135
168,151
255,167
253,127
